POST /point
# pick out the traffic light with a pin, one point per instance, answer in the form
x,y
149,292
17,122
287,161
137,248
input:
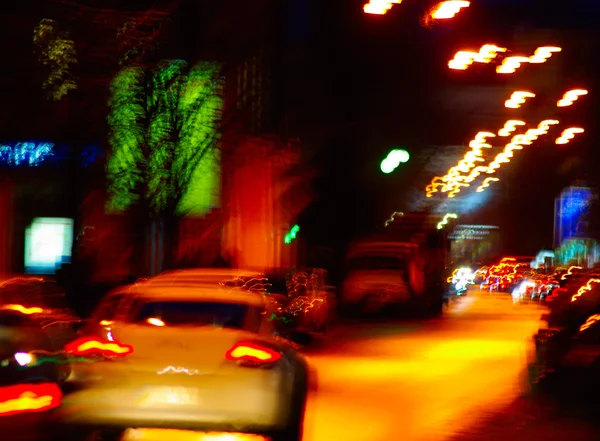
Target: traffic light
x,y
292,234
393,160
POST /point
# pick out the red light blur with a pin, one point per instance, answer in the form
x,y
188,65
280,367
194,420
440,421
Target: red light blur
x,y
97,346
252,352
24,398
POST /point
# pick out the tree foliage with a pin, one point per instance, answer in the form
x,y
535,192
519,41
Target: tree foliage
x,y
164,133
124,34
56,51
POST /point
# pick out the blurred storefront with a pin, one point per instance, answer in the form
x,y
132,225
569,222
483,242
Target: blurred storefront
x,y
580,252
474,243
262,201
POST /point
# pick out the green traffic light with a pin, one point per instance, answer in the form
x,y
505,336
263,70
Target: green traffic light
x,y
393,160
291,235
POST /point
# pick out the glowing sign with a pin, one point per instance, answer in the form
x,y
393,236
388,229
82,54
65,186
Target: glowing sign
x,y
48,244
25,153
472,232
36,153
571,208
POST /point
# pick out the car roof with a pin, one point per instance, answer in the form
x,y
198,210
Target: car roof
x,y
208,273
205,275
190,292
24,278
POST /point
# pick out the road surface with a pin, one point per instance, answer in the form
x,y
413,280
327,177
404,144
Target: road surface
x,y
461,377
457,378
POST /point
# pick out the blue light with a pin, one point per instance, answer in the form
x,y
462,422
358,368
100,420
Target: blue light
x,y
573,205
34,154
26,153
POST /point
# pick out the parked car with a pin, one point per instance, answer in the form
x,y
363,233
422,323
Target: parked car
x,y
45,305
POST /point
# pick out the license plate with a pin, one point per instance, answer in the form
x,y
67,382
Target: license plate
x,y
170,396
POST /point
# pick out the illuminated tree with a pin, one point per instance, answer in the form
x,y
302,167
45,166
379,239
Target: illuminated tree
x,y
164,133
57,52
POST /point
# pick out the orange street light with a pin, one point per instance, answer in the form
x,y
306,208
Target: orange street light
x,y
517,99
448,9
380,7
570,97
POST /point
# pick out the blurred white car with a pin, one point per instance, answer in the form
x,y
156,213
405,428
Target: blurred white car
x,y
189,357
229,278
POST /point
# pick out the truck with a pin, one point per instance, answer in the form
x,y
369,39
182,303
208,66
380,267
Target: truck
x,y
399,269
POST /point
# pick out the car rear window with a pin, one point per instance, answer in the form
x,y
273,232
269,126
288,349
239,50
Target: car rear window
x,y
188,313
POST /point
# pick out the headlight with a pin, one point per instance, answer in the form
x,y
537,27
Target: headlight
x,y
24,358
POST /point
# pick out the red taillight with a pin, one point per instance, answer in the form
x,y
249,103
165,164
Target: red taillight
x,y
86,346
29,398
253,353
555,293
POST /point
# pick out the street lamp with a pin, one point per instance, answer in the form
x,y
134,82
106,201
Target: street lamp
x,y
393,160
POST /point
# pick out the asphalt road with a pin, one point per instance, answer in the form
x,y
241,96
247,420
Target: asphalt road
x,y
460,377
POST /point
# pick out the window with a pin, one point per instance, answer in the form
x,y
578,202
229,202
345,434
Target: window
x,y
194,313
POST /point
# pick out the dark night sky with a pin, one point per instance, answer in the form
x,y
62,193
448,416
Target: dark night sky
x,y
389,72
373,83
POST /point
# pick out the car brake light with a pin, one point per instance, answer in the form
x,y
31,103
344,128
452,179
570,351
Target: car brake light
x,y
555,293
96,346
23,398
254,353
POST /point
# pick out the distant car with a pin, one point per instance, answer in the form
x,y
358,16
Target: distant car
x,y
26,352
492,283
313,301
189,357
46,306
